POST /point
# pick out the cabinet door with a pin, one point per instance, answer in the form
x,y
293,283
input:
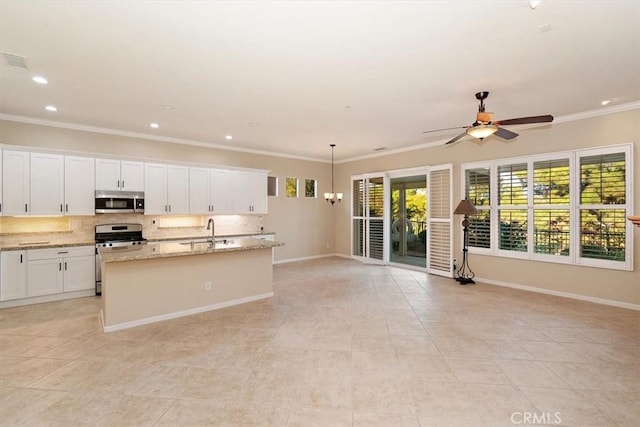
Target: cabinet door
x,y
131,176
13,275
178,189
250,192
199,190
258,192
222,191
155,195
107,174
79,273
44,277
79,185
15,182
47,184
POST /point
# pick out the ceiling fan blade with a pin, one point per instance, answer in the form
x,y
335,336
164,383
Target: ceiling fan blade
x,y
440,130
525,120
451,141
505,134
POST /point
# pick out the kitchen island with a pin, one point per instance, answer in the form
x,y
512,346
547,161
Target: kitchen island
x,y
150,283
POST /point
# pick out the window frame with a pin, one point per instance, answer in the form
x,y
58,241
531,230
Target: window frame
x,y
489,207
574,207
286,187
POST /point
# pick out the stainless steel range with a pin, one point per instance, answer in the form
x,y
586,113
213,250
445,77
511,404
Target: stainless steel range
x,y
115,235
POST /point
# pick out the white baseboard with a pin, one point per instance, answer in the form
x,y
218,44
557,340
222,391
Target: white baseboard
x,y
306,258
48,298
181,313
560,294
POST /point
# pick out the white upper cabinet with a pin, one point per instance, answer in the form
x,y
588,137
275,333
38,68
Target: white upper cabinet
x,y
166,189
178,189
131,176
15,182
250,192
155,194
222,192
199,190
79,179
121,175
47,184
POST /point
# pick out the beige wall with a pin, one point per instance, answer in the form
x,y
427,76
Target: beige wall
x,y
313,227
304,225
611,129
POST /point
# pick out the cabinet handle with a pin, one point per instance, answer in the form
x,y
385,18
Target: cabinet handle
x,y
59,266
169,208
20,258
165,208
60,207
66,206
118,183
123,183
65,266
63,252
25,208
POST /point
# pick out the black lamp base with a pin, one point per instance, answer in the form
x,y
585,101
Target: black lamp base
x,y
465,281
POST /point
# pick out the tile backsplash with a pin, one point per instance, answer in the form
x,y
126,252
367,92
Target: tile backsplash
x,y
71,229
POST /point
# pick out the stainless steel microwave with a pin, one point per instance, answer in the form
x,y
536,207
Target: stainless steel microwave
x,y
119,202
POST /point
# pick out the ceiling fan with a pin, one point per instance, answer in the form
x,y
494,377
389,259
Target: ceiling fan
x,y
484,126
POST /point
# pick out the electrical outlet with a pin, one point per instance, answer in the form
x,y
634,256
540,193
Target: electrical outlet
x,y
207,286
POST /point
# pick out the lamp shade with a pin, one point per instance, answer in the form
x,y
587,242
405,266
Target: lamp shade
x,y
465,207
482,131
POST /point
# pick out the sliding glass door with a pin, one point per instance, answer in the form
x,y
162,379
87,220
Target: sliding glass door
x,y
408,220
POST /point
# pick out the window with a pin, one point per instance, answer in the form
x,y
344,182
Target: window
x,y
272,186
566,207
310,188
478,191
512,207
603,210
552,207
292,187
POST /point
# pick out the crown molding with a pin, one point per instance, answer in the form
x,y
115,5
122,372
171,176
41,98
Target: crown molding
x,y
116,132
74,126
560,119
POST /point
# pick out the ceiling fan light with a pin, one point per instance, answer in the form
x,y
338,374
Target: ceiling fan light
x,y
482,131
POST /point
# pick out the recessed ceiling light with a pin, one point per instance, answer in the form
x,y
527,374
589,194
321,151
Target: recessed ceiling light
x,y
154,125
39,79
606,102
534,3
228,137
51,108
168,107
253,124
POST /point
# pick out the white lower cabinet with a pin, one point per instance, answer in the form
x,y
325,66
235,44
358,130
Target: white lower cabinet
x,y
13,275
52,271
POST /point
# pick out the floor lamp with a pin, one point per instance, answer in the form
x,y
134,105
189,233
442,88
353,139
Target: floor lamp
x,y
464,275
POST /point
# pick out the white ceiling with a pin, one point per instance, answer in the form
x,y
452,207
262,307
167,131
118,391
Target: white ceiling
x,y
293,77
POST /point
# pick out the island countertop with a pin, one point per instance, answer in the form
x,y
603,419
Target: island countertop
x,y
172,249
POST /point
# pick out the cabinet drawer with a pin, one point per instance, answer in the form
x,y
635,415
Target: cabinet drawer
x,y
66,252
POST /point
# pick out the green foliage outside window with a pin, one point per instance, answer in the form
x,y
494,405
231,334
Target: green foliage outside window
x,y
292,187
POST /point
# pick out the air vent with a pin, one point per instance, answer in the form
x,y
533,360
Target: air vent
x,y
15,60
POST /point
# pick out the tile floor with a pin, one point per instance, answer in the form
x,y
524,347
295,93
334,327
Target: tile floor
x,y
341,343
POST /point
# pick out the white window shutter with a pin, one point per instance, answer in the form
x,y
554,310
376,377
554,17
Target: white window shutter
x,y
440,231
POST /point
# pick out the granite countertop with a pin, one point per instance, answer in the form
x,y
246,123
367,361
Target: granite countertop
x,y
168,249
218,236
43,245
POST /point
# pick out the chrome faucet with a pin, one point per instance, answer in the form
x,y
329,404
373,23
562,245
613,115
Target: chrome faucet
x,y
211,225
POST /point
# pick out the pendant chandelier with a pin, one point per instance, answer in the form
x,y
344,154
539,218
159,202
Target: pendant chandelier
x,y
333,196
